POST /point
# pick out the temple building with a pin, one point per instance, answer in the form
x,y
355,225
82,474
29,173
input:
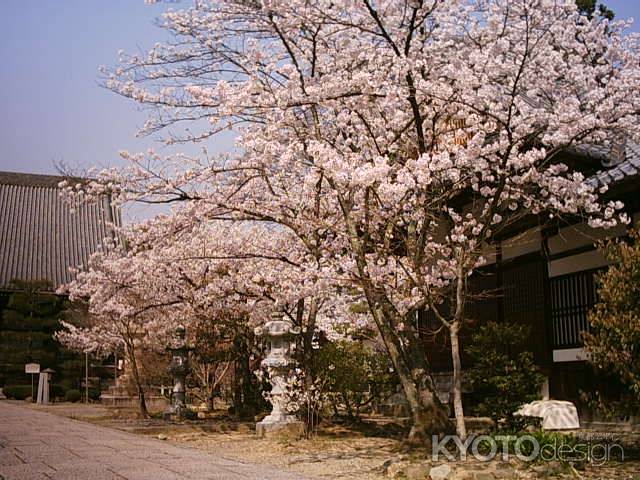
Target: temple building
x,y
543,273
42,237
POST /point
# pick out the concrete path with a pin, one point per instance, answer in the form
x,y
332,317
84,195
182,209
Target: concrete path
x,y
38,445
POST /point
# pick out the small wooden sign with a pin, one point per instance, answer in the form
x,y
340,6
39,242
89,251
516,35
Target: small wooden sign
x,y
32,368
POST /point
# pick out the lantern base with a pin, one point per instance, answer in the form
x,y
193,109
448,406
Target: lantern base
x,y
178,413
291,429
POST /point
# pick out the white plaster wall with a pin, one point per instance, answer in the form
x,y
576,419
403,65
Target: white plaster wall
x,y
576,263
580,235
523,243
489,255
570,355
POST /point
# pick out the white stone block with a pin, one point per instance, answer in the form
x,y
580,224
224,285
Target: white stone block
x,y
555,414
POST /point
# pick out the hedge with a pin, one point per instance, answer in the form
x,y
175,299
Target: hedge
x,y
72,395
94,394
56,391
17,392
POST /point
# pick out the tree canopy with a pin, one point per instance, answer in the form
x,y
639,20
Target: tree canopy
x,y
382,148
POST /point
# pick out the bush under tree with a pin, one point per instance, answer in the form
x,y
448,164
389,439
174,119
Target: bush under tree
x,y
72,395
17,392
356,374
613,341
502,374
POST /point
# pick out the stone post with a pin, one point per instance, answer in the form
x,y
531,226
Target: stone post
x,y
43,385
279,334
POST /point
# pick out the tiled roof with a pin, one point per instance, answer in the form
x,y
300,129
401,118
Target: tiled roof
x,y
40,236
616,169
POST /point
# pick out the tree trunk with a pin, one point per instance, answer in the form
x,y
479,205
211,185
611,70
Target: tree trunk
x,y
308,328
211,385
305,355
334,406
245,396
142,403
461,429
428,415
237,387
347,404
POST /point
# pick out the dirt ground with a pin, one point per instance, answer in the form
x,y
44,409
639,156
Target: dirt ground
x,y
336,452
370,451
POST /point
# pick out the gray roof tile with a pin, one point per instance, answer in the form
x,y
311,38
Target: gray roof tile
x,y
628,168
617,174
40,237
617,169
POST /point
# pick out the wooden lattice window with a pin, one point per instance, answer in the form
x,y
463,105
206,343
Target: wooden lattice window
x,y
572,296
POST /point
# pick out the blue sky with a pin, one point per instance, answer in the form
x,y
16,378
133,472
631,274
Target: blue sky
x,y
51,107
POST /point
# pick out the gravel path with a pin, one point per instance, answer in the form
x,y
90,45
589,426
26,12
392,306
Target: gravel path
x,y
38,445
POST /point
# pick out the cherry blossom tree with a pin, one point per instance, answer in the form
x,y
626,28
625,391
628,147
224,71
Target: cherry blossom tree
x,y
156,277
121,313
386,142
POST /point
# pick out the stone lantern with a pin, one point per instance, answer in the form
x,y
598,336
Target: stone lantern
x,y
279,334
178,368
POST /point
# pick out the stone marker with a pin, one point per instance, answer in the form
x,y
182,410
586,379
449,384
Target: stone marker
x,y
43,385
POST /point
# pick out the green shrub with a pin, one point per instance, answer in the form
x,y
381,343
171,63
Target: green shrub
x,y
20,392
94,394
72,395
551,446
56,391
355,374
613,342
552,441
68,384
521,423
17,392
502,374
